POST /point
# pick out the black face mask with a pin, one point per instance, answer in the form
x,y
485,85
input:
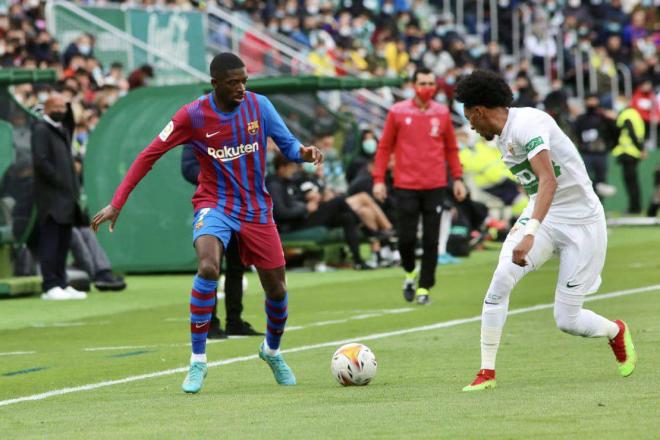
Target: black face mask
x,y
57,116
592,109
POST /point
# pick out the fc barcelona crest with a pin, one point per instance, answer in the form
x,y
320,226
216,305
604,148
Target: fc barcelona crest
x,y
253,127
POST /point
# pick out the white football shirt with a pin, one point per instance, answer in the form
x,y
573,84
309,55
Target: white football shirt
x,y
529,131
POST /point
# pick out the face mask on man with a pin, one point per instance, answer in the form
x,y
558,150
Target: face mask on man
x,y
369,146
84,49
57,116
426,93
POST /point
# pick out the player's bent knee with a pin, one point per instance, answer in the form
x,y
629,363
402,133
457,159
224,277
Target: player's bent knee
x,y
208,269
503,280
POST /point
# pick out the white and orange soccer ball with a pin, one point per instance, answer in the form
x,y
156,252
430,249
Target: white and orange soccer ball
x,y
353,364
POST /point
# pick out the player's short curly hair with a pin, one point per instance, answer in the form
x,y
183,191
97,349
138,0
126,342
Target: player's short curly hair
x,y
223,62
483,87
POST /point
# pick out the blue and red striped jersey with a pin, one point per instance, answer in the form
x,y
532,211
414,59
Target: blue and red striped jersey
x,y
231,149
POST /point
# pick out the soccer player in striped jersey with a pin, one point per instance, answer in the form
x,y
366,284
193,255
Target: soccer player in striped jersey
x,y
228,128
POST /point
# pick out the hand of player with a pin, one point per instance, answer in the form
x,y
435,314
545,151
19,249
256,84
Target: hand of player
x,y
521,250
109,213
460,191
380,192
311,154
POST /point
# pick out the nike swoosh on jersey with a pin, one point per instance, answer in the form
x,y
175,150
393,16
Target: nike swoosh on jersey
x,y
208,135
570,286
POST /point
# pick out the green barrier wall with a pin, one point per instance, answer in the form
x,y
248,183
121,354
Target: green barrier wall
x,y
619,201
153,232
6,146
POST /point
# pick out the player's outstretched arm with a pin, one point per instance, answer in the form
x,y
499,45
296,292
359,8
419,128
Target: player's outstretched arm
x,y
109,213
311,154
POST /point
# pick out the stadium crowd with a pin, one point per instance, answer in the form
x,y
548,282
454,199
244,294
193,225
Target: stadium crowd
x,y
394,38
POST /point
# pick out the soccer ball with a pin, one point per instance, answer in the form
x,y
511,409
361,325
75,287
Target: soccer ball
x,y
353,364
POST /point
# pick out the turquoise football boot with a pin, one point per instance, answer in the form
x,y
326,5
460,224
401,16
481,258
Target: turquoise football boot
x,y
281,371
195,377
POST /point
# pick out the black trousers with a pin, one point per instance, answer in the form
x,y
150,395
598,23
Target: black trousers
x,y
596,165
337,213
54,244
234,271
410,204
631,180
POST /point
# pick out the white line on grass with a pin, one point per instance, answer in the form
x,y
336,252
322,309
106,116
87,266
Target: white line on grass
x,y
452,323
17,353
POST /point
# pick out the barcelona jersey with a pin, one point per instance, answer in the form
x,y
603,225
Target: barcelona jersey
x,y
231,149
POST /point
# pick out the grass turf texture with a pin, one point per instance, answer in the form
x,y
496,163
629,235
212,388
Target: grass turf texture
x,y
550,385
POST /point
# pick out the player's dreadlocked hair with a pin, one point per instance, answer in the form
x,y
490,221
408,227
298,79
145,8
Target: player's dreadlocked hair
x,y
223,62
483,87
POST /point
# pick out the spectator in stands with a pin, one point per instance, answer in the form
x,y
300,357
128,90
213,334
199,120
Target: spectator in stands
x,y
618,52
56,193
629,151
293,212
436,58
312,184
82,46
491,60
524,93
140,77
595,129
116,77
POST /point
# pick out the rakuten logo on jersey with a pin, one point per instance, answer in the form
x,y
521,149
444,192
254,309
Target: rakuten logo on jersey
x,y
225,154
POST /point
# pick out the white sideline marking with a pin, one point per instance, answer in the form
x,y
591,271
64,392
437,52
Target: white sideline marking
x,y
438,325
17,353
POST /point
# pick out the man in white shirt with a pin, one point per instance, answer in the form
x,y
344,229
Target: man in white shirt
x,y
564,216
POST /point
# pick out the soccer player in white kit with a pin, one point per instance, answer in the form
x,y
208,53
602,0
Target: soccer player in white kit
x,y
564,217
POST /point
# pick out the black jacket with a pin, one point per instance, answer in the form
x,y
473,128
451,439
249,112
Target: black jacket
x,y
189,164
288,210
594,132
56,187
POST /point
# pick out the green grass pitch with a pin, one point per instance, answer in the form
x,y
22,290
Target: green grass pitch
x,y
551,385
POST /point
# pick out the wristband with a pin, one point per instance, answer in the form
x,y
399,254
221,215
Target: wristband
x,y
532,226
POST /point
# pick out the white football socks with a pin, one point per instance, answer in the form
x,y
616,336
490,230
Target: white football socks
x,y
490,342
269,351
198,358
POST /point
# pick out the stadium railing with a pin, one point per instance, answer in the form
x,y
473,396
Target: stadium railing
x,y
170,58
